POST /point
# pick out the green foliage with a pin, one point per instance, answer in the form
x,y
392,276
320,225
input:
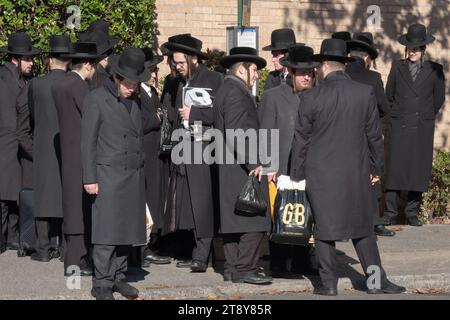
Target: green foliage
x,y
214,57
263,74
132,21
435,203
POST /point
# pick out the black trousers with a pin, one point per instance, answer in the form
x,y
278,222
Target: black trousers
x,y
366,249
9,222
48,232
411,209
241,252
202,249
76,251
110,264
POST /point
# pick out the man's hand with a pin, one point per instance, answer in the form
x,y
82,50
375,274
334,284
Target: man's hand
x,y
272,176
257,173
374,179
184,112
91,188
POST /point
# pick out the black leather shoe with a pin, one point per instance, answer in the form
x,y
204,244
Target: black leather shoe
x,y
145,264
184,264
413,221
198,266
125,289
40,257
12,246
102,293
253,278
388,288
324,291
382,231
84,272
157,259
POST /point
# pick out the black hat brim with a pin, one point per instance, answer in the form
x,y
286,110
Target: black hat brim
x,y
404,41
283,47
33,52
113,62
228,61
80,56
323,57
154,61
298,65
357,44
173,47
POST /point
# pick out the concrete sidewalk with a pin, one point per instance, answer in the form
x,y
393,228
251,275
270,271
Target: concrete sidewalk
x,y
417,258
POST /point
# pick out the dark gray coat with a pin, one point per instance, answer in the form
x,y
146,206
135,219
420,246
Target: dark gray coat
x,y
235,108
279,110
274,80
337,145
112,146
69,95
10,173
414,106
46,147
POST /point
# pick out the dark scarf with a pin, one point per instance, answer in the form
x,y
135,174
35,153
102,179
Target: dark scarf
x,y
110,86
414,68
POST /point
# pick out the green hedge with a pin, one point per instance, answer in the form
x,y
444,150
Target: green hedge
x,y
132,21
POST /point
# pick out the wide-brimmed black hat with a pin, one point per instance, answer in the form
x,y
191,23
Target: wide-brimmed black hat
x,y
99,25
101,39
299,57
150,58
83,50
59,44
19,43
281,39
130,65
363,41
416,36
243,54
343,35
187,44
333,50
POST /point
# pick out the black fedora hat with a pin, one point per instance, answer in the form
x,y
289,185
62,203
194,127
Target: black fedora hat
x,y
19,43
101,39
187,44
130,65
281,39
150,58
59,44
163,47
343,35
243,54
363,41
333,50
299,57
83,50
99,25
416,36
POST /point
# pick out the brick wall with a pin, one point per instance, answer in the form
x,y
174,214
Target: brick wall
x,y
314,20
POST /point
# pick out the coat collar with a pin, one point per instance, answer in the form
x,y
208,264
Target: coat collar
x,y
14,71
336,75
240,84
288,94
423,74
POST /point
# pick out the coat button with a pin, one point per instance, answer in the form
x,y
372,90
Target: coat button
x,y
126,152
125,168
124,136
417,113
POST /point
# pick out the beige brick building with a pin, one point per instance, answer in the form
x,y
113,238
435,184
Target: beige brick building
x,y
314,20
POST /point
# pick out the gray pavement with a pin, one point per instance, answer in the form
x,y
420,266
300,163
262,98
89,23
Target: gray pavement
x,y
417,258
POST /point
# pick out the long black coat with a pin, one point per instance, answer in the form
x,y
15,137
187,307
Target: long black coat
x,y
235,108
337,145
414,106
358,72
279,110
10,173
46,147
156,168
112,145
69,95
18,89
198,175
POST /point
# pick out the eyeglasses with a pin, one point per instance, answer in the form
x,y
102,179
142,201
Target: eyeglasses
x,y
178,63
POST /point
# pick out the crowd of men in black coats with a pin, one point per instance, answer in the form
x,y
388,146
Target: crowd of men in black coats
x,y
87,137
